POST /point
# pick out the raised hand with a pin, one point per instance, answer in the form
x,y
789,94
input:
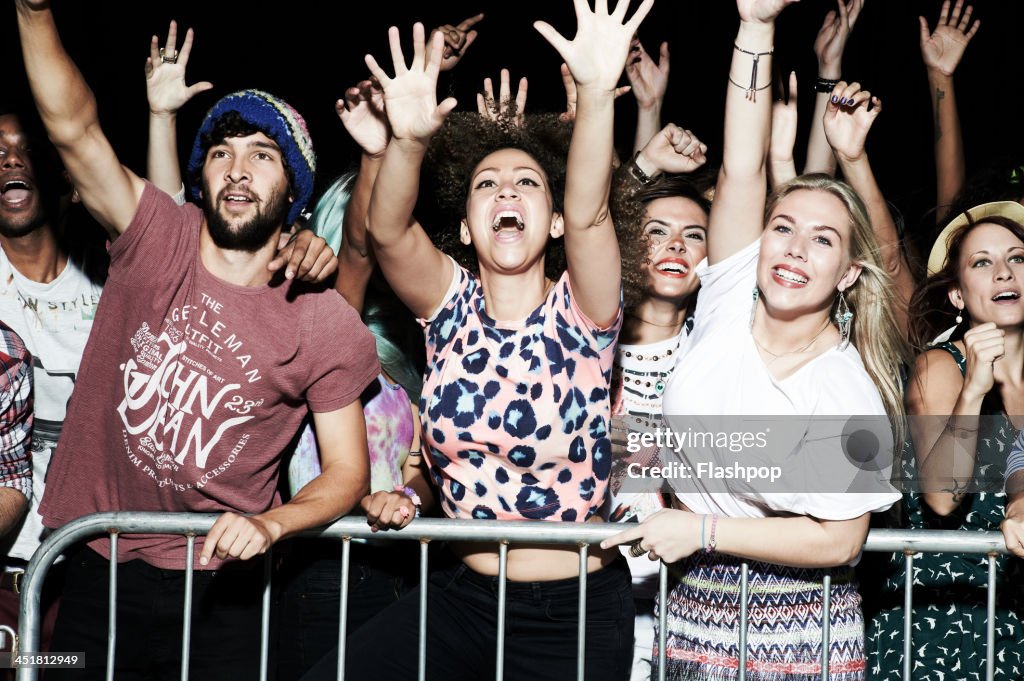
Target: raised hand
x,y
165,74
410,98
597,54
648,78
491,108
457,40
985,345
673,150
848,117
569,115
761,11
363,115
832,37
943,48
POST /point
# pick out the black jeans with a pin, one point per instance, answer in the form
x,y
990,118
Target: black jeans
x,y
226,606
540,631
309,596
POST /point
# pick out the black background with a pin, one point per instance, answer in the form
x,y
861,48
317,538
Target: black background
x,y
309,52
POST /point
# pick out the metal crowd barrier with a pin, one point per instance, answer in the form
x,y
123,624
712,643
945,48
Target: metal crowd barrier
x,y
425,530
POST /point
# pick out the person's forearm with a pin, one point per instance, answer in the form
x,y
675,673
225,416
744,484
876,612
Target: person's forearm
x,y
797,541
396,188
162,155
323,500
820,158
355,256
589,166
13,506
950,173
947,470
65,102
781,171
648,123
748,123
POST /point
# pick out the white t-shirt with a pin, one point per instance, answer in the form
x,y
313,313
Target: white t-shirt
x,y
720,372
54,320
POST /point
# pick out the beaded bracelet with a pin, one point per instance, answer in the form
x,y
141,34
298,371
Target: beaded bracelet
x,y
413,497
712,542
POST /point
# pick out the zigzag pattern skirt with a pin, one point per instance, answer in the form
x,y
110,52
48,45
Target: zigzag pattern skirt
x,y
784,616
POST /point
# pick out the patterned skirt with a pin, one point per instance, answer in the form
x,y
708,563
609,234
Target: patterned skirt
x,y
784,615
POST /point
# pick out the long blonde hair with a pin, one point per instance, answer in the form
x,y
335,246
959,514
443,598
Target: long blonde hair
x,y
875,334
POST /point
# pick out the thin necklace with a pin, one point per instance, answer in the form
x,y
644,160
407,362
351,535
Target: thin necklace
x,y
678,325
790,352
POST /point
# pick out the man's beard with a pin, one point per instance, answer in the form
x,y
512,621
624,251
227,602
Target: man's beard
x,y
250,236
25,224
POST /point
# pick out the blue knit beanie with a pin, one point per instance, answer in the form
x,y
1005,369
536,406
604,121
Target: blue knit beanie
x,y
279,121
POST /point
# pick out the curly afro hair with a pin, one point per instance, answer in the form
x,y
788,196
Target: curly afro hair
x,y
465,140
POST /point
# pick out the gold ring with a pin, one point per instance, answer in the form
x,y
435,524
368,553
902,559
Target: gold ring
x,y
173,59
636,550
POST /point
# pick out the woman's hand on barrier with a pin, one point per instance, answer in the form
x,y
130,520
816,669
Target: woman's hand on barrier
x,y
668,535
239,536
388,510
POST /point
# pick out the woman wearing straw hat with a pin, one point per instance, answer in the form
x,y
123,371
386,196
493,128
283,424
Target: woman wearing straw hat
x,y
964,395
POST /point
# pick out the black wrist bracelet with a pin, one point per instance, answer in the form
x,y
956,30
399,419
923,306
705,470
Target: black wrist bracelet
x,y
825,85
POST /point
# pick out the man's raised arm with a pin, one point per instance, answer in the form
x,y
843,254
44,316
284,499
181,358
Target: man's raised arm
x,y
67,106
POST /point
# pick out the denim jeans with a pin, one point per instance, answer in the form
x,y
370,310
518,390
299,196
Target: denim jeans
x,y
540,630
226,606
309,597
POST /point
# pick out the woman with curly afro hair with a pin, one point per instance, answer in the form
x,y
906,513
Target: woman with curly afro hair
x,y
515,403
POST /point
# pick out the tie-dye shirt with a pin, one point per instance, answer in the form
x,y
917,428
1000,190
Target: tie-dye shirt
x,y
516,414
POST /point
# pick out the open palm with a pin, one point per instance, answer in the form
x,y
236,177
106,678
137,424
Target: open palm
x,y
943,48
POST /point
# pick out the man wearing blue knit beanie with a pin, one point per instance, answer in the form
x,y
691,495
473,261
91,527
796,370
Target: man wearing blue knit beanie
x,y
200,369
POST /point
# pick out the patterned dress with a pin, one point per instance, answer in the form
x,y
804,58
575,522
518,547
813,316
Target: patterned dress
x,y
950,616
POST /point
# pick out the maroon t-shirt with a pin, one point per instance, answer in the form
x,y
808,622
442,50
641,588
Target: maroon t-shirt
x,y
190,387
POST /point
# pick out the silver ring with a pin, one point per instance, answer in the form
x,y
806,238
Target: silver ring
x,y
636,550
173,59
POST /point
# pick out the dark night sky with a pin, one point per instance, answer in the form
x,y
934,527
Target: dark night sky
x,y
304,52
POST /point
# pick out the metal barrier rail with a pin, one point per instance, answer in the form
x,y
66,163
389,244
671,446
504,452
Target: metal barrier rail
x,y
425,530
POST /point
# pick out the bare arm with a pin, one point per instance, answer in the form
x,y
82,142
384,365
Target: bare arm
x,y
948,408
595,57
846,129
1013,526
737,211
343,480
649,81
16,419
798,541
942,51
167,93
781,166
67,107
829,47
362,113
414,115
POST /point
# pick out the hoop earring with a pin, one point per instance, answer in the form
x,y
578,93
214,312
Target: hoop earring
x,y
753,308
844,320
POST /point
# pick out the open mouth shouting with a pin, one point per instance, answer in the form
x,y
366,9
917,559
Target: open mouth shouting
x,y
16,193
789,277
508,225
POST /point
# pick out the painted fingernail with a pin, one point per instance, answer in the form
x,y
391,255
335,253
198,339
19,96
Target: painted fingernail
x,y
843,100
835,99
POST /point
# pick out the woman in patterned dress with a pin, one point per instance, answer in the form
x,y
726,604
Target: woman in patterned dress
x,y
964,395
809,255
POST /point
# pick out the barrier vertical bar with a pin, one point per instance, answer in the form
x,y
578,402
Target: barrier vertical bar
x,y
662,619
112,607
265,617
499,664
346,554
581,646
744,588
908,604
423,611
186,625
990,629
826,622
